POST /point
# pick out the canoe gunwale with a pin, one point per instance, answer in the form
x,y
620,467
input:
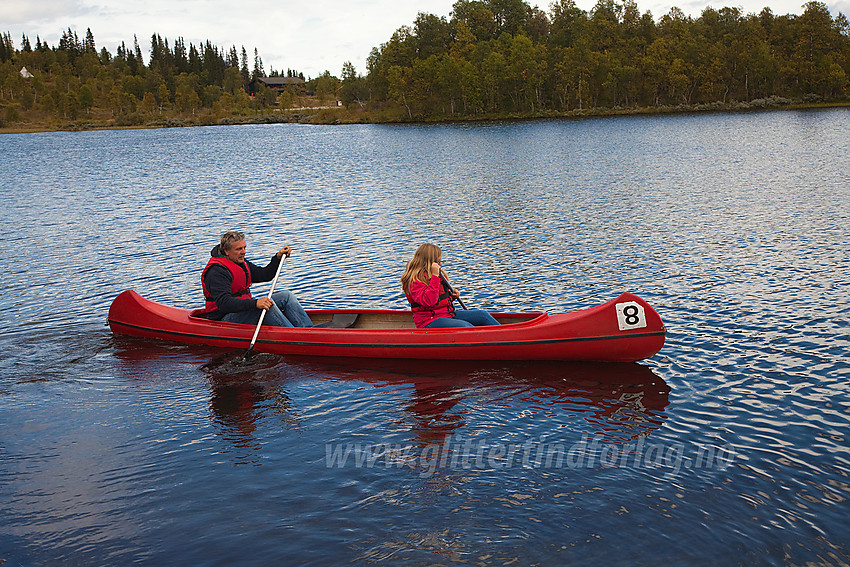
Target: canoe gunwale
x,y
394,345
586,334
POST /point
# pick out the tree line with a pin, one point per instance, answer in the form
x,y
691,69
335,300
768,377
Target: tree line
x,y
488,58
503,56
76,81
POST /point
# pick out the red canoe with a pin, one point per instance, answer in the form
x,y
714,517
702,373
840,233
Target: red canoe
x,y
624,329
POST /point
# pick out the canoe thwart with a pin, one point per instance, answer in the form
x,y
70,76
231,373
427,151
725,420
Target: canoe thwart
x,y
340,321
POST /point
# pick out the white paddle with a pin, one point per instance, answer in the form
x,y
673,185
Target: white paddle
x,y
263,314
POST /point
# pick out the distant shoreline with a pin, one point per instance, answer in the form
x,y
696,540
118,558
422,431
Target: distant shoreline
x,y
341,116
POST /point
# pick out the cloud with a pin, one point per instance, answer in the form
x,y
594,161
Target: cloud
x,y
308,35
17,13
842,7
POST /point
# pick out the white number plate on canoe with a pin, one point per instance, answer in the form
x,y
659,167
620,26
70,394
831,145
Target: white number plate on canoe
x,y
630,315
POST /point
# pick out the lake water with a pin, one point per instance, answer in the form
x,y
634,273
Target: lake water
x,y
730,446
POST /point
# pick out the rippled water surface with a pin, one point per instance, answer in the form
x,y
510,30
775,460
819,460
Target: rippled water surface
x,y
730,446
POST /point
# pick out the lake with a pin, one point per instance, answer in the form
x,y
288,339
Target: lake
x,y
730,446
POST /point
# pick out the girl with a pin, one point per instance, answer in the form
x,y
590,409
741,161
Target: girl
x,y
427,289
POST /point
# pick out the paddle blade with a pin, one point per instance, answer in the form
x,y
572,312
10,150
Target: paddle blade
x,y
235,365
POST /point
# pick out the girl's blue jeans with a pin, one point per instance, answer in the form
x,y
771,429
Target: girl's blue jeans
x,y
464,318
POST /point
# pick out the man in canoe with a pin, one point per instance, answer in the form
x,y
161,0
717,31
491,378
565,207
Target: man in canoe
x,y
227,279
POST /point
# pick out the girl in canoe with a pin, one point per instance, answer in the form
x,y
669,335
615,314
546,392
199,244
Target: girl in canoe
x,y
427,289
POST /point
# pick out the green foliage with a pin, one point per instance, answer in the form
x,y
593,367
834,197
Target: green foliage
x,y
504,58
11,115
354,88
7,48
284,100
487,58
325,85
75,79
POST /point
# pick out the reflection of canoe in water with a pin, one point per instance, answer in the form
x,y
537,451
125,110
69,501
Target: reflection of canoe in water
x,y
599,391
625,329
617,402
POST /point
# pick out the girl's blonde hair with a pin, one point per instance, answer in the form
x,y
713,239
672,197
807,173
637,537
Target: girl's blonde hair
x,y
419,266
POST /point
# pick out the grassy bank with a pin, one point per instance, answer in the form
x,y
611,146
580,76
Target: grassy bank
x,y
356,115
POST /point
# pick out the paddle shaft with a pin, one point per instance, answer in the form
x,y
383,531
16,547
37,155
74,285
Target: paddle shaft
x,y
264,311
452,290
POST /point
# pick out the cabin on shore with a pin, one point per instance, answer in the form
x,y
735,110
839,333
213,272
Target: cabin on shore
x,y
279,84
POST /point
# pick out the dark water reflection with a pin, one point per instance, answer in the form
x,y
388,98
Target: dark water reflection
x,y
728,447
418,416
622,401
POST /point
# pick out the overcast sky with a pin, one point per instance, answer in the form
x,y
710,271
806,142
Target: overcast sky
x,y
310,36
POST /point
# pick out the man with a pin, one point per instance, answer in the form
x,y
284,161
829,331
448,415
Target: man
x,y
227,279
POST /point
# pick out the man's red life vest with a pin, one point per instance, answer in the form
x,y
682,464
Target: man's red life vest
x,y
240,285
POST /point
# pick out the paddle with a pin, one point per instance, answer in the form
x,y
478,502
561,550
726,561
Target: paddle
x,y
264,311
452,290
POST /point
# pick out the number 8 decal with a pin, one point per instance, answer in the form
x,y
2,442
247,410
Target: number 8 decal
x,y
630,316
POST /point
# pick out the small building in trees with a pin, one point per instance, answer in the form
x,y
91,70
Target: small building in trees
x,y
279,84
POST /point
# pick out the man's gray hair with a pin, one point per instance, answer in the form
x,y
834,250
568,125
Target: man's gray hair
x,y
228,238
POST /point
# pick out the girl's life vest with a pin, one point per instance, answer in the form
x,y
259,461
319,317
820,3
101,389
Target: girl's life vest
x,y
423,315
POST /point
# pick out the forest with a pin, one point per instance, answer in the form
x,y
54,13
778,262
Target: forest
x,y
488,59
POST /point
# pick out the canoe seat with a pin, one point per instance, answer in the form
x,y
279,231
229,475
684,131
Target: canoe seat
x,y
340,321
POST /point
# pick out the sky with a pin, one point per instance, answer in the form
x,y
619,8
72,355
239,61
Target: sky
x,y
309,36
